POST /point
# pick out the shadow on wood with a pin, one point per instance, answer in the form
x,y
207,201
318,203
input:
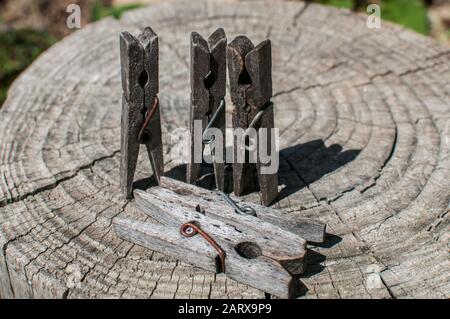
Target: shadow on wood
x,y
300,165
303,164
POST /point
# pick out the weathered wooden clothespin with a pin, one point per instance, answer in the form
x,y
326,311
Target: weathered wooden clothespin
x,y
250,76
208,87
309,229
141,123
199,227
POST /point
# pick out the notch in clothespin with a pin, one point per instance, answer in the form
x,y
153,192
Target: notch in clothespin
x,y
141,121
250,76
208,87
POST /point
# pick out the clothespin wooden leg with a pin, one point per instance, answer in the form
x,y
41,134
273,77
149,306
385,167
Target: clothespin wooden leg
x,y
153,142
239,79
259,66
141,122
268,183
218,67
131,53
200,58
250,73
208,85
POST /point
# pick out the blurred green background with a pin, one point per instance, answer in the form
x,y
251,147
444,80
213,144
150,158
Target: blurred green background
x,y
28,27
409,13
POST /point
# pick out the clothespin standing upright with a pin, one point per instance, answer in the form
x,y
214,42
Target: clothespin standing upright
x,y
250,76
208,87
141,122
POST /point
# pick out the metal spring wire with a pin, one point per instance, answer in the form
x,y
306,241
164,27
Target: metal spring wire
x,y
211,122
243,210
190,229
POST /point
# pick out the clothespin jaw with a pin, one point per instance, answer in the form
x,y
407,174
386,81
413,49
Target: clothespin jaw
x,y
208,87
141,122
250,76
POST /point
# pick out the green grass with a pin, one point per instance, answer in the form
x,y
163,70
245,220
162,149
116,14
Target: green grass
x,y
338,3
409,13
18,49
100,11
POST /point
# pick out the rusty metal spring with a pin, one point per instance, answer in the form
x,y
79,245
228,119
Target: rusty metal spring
x,y
191,229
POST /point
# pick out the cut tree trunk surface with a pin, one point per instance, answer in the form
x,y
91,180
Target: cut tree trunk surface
x,y
364,118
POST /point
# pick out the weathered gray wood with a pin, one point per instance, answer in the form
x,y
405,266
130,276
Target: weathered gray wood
x,y
215,206
258,254
200,56
208,85
132,64
264,273
250,75
150,42
364,129
258,63
217,43
244,175
172,210
140,82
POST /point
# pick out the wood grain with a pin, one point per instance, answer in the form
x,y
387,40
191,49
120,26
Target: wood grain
x,y
258,253
364,118
214,205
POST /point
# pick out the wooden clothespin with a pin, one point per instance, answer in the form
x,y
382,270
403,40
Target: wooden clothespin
x,y
309,229
199,227
208,87
141,123
250,76
255,245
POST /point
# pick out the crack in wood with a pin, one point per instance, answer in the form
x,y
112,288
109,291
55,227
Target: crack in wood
x,y
57,182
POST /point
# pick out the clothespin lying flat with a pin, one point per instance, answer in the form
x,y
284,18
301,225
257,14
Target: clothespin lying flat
x,y
208,86
258,254
220,206
141,123
250,76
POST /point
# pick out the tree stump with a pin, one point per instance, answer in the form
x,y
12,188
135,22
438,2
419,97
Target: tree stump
x,y
364,118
